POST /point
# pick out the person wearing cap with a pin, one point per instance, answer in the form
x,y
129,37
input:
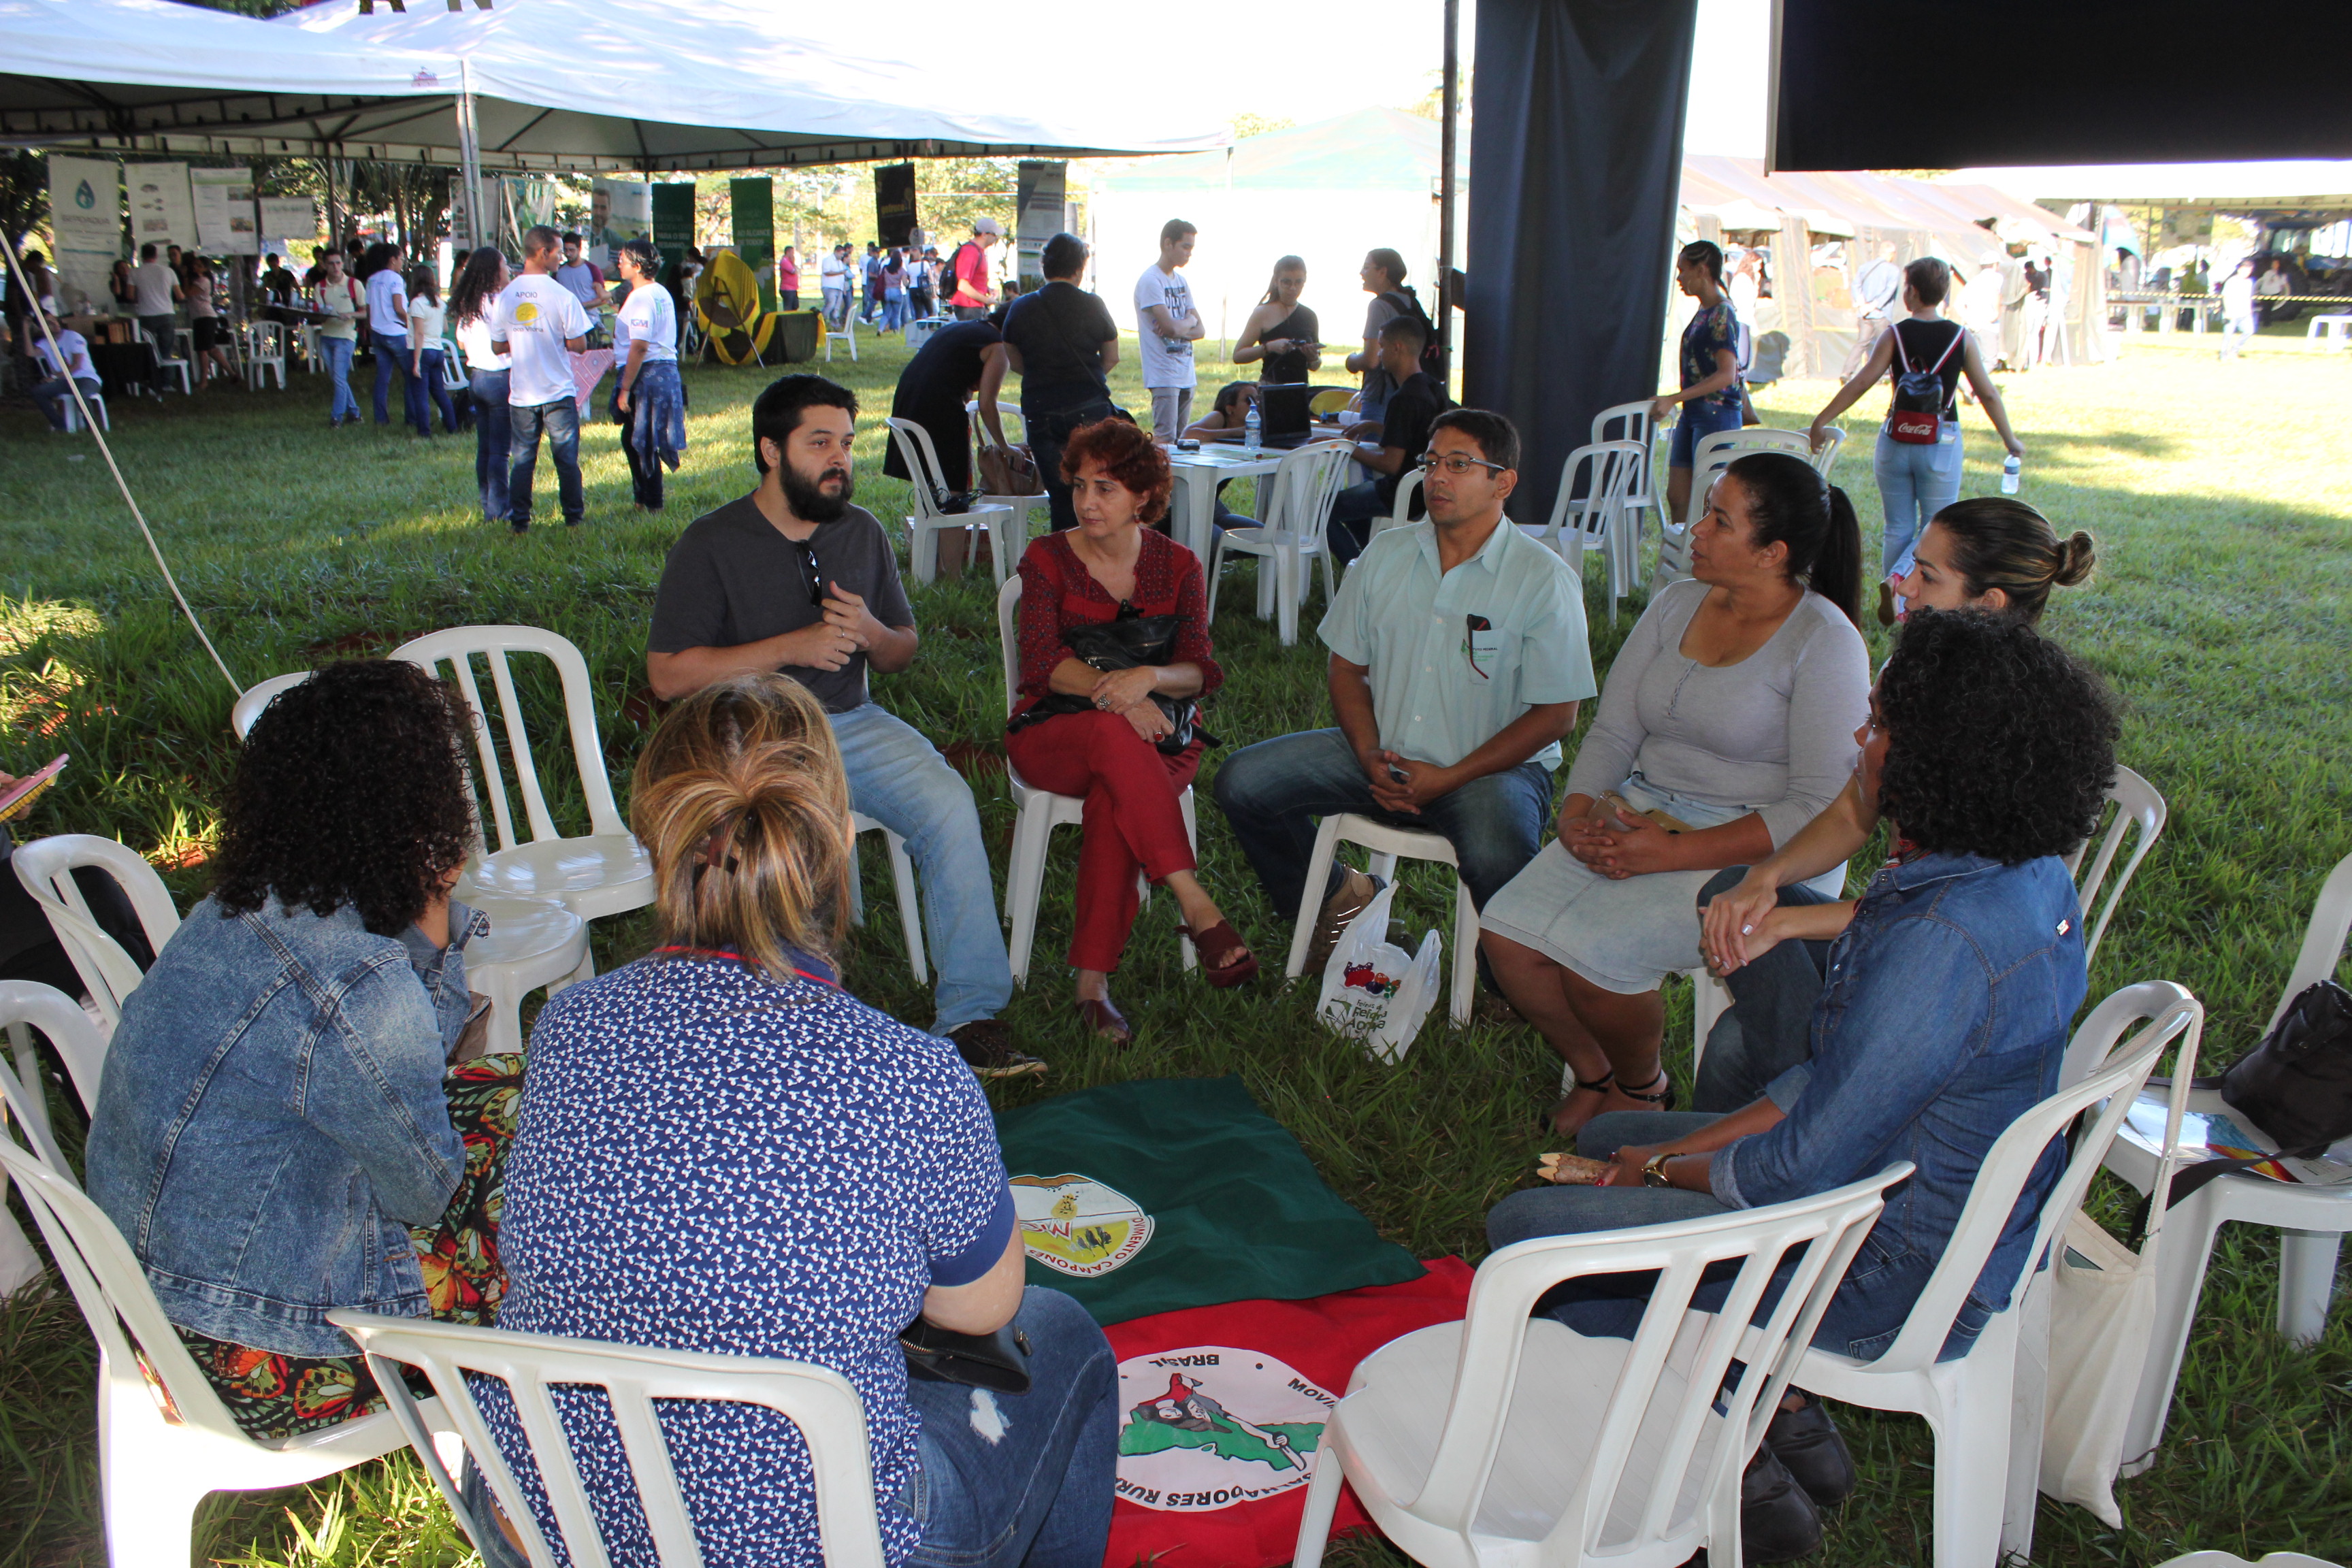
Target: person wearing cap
x,y
64,367
970,293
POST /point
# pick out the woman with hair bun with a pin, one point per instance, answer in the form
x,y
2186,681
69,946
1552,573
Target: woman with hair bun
x,y
1918,465
648,398
722,1151
1768,927
1709,362
1104,734
1726,725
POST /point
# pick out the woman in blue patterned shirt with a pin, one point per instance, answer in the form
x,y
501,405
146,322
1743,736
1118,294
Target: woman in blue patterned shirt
x,y
1709,362
719,1150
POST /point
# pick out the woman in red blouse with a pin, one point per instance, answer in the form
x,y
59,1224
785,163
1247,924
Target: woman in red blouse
x,y
1111,565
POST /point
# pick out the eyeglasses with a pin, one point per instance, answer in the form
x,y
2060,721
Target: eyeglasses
x,y
1459,463
808,567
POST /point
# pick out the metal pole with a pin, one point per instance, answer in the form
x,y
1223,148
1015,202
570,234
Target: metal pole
x,y
470,152
1448,114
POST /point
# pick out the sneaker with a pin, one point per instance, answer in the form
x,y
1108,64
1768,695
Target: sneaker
x,y
986,1047
1357,888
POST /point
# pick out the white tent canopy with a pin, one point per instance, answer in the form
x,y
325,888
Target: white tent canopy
x,y
556,85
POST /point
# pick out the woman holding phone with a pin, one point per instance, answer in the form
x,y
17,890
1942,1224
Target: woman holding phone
x,y
1280,335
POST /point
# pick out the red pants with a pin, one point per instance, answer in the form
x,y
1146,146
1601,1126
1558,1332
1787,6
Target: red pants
x,y
1132,817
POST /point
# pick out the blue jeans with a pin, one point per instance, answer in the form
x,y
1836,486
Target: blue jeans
x,y
1353,511
894,309
1915,482
337,352
560,420
899,780
392,354
492,430
1038,1495
56,396
430,385
1698,421
1768,1027
1272,793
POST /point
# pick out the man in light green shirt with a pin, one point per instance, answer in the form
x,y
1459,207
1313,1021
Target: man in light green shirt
x,y
1458,656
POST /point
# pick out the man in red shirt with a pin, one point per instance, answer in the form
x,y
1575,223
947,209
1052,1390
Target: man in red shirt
x,y
974,293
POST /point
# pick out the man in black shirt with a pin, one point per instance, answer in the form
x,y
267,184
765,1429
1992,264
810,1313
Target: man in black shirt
x,y
794,579
1063,342
1392,445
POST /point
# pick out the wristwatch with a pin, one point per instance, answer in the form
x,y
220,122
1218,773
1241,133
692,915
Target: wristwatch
x,y
1654,1175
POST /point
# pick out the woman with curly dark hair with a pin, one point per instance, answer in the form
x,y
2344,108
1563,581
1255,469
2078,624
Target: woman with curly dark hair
x,y
277,1131
1989,554
1106,734
1956,980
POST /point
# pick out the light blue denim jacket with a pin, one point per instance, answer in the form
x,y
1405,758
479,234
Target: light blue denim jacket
x,y
271,1119
1943,1018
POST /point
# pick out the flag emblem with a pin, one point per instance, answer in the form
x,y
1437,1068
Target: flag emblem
x,y
1076,1224
1208,1426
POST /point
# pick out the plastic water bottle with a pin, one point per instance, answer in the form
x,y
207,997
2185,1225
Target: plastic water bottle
x,y
2009,477
1251,425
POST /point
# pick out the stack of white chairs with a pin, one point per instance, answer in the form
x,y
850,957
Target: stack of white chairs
x,y
1634,422
927,521
1607,474
264,346
1295,530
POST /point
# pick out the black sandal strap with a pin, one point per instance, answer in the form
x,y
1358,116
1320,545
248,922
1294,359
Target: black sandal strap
x,y
1665,1091
1603,1082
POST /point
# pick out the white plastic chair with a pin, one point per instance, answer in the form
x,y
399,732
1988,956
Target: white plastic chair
x,y
1987,1421
902,874
45,867
531,942
1634,422
26,1006
927,522
1041,810
605,871
1296,527
846,332
817,1400
157,1461
1824,460
1401,514
1713,455
72,412
2311,1219
165,364
1507,1439
2136,804
264,349
1387,844
2232,1560
1607,471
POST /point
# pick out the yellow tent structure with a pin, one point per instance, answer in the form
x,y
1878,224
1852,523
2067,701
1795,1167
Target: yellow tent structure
x,y
727,301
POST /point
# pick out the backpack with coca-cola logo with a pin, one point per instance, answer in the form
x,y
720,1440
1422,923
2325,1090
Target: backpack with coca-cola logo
x,y
1915,414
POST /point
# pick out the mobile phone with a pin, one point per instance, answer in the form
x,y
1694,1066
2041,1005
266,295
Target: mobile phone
x,y
1188,445
1398,775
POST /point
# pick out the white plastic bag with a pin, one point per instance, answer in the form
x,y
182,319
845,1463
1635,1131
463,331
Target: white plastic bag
x,y
1375,991
2102,1315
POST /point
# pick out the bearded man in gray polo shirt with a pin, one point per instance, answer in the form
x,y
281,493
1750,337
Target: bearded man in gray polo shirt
x,y
1458,657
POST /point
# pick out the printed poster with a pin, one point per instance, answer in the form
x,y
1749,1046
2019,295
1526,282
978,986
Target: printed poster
x,y
673,221
163,212
227,223
893,203
1043,190
86,220
753,205
618,211
287,222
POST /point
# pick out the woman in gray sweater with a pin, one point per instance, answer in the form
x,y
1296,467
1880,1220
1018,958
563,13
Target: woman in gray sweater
x,y
1726,725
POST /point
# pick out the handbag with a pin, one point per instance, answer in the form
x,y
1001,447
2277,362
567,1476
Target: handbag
x,y
1127,642
2296,1085
1009,471
997,1362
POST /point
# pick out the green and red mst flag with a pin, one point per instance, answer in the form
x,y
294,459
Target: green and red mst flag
x,y
1165,1194
1221,1412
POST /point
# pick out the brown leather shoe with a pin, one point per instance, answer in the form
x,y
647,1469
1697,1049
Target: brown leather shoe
x,y
1106,1021
1357,888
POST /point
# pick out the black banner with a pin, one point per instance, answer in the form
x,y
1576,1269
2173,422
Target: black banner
x,y
893,203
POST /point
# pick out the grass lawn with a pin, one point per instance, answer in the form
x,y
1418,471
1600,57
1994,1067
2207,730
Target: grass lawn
x,y
2218,614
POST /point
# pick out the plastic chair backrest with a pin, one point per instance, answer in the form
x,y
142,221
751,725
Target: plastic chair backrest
x,y
817,1400
26,1006
1008,637
1630,422
456,647
1610,470
1717,452
1401,514
1668,1420
1825,459
2109,1071
45,867
259,695
1305,482
922,460
2322,940
2135,800
109,1284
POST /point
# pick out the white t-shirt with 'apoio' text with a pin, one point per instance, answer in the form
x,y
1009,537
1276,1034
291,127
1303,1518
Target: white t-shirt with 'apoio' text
x,y
535,315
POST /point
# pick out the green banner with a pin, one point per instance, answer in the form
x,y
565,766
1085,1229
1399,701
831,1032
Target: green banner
x,y
673,227
1170,1192
754,205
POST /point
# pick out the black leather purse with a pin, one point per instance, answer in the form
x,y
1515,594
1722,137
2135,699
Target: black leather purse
x,y
999,1362
1125,642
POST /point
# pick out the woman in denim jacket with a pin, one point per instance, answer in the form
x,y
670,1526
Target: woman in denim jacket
x,y
1943,1018
276,1134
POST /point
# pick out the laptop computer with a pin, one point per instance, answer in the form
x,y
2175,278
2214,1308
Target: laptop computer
x,y
1284,419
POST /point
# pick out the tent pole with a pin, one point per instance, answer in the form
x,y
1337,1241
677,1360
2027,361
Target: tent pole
x,y
470,152
1450,103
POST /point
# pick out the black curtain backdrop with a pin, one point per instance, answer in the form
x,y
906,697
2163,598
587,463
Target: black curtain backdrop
x,y
1574,175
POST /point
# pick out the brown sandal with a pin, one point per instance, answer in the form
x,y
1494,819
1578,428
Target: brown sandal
x,y
1221,938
